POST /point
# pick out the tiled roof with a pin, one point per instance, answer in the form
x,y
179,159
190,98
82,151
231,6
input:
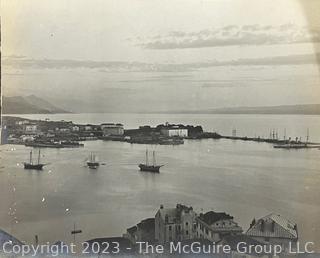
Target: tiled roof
x,y
211,217
274,225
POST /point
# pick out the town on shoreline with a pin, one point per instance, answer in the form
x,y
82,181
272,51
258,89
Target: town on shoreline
x,y
63,134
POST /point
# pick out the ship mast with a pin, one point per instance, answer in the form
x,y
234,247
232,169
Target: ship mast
x,y
31,157
147,161
39,157
153,158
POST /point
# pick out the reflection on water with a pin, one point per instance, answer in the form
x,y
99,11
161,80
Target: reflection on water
x,y
244,179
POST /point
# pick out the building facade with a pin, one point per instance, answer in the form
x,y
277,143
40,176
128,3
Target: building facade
x,y
174,130
142,232
216,225
112,129
174,224
30,128
274,229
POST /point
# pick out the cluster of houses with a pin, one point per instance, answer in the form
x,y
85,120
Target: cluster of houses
x,y
20,130
183,224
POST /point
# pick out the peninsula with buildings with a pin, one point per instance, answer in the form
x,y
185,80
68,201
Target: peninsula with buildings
x,y
66,134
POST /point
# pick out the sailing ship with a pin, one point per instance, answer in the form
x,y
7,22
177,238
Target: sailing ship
x,y
35,166
297,144
150,168
93,162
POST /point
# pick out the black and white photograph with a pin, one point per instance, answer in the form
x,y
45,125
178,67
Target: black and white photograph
x,y
160,128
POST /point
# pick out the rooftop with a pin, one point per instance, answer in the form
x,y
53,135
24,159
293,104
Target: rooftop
x,y
211,217
274,225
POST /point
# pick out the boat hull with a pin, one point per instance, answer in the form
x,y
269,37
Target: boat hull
x,y
33,166
147,168
93,165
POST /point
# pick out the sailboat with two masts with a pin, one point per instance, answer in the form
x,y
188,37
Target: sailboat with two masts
x,y
31,165
92,161
150,168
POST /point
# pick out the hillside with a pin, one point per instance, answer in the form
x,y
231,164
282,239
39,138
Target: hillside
x,y
307,109
28,105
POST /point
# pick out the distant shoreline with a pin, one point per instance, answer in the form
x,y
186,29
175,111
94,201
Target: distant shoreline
x,y
165,113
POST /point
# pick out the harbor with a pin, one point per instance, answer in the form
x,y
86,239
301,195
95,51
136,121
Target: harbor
x,y
207,174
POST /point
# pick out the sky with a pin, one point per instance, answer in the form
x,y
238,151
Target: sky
x,y
161,55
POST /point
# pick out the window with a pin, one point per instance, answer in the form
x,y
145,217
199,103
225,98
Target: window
x,y
187,232
170,228
207,232
187,223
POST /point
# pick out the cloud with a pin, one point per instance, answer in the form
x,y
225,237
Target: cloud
x,y
233,35
107,67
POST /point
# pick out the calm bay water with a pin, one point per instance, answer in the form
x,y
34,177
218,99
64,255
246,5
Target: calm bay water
x,y
245,179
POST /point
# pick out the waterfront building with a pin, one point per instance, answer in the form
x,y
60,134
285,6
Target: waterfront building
x,y
174,224
216,225
30,128
142,232
174,130
22,122
112,129
274,229
75,128
88,127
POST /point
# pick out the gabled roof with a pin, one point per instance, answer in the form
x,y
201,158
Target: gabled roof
x,y
274,225
212,217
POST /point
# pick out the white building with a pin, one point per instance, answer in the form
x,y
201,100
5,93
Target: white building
x,y
215,225
112,129
30,128
174,224
174,130
75,128
22,122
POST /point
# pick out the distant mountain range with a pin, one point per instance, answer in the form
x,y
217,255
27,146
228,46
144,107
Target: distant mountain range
x,y
306,109
36,105
28,105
